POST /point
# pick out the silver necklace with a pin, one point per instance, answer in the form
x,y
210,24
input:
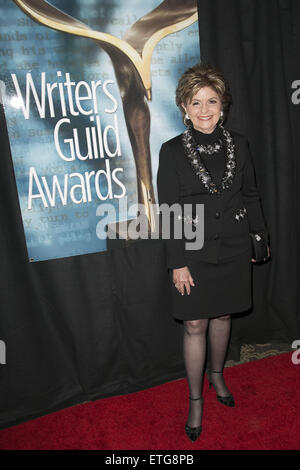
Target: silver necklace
x,y
210,149
200,169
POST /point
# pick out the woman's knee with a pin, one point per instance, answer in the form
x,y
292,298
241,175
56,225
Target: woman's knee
x,y
196,327
225,317
222,318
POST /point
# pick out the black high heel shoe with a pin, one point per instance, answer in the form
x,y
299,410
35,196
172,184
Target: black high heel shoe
x,y
193,433
228,400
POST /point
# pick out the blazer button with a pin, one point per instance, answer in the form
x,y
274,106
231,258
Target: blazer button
x,y
216,236
217,215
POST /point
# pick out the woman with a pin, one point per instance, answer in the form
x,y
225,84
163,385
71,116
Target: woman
x,y
209,165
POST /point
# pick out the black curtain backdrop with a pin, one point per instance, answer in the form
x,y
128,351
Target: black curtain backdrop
x,y
87,327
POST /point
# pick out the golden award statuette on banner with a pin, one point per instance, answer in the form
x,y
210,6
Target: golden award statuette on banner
x,y
131,59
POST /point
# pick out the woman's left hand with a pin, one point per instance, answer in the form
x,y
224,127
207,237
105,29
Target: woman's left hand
x,y
269,254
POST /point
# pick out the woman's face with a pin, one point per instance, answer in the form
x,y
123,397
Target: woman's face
x,y
204,110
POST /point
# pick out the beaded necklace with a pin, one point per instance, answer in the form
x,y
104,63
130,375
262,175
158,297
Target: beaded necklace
x,y
200,169
210,149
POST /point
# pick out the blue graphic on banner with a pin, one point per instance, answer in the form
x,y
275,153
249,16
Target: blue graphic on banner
x,y
67,122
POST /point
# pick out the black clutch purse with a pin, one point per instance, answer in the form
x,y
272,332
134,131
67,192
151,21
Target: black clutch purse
x,y
259,246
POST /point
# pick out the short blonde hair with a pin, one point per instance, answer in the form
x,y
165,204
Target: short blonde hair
x,y
199,76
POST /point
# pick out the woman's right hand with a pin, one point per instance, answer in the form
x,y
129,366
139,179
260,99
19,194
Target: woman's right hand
x,y
183,280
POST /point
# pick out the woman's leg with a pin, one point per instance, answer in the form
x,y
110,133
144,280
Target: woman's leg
x,y
194,350
218,339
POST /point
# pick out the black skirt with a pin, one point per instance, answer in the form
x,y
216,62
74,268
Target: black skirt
x,y
220,289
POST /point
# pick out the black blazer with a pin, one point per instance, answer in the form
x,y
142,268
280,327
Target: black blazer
x,y
226,223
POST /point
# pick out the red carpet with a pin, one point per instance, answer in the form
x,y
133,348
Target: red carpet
x,y
266,416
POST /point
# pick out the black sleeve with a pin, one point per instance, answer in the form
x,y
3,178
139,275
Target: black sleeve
x,y
251,197
168,192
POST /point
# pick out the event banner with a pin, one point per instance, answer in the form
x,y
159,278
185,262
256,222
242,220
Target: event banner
x,y
88,89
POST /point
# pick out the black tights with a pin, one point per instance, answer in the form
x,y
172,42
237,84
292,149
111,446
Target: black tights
x,y
196,333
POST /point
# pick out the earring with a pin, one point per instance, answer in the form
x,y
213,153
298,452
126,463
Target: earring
x,y
185,120
221,118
